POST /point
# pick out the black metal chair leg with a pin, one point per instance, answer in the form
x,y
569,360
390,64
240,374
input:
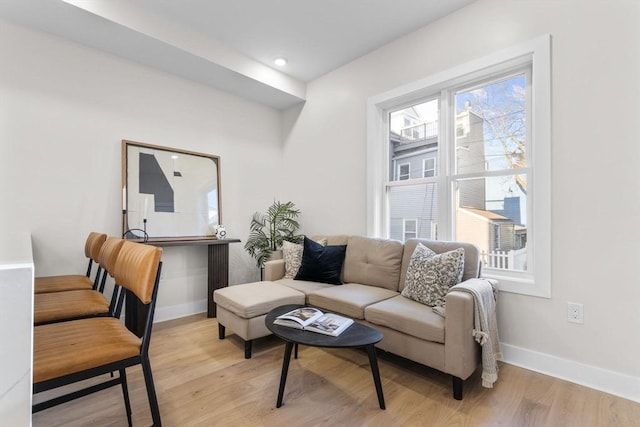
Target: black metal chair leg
x,y
220,331
125,393
248,346
151,393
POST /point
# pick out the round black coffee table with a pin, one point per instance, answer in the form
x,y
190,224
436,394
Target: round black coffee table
x,y
355,336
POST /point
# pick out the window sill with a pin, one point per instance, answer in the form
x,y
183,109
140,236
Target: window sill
x,y
515,283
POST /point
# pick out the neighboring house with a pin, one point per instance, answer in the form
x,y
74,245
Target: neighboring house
x,y
413,207
413,145
501,241
470,157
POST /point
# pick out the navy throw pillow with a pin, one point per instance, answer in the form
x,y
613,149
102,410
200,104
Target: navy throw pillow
x,y
321,263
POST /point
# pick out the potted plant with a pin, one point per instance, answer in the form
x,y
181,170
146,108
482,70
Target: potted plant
x,y
268,230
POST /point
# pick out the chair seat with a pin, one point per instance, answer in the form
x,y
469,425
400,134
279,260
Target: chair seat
x,y
65,348
52,307
63,283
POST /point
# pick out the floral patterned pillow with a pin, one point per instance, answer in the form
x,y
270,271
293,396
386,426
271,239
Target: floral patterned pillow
x,y
292,254
430,275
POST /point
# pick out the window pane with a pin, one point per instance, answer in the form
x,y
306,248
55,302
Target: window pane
x,y
413,138
491,126
410,226
410,229
403,171
429,167
492,214
413,203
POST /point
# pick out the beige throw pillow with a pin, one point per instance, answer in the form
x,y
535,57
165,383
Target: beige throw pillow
x,y
292,254
430,275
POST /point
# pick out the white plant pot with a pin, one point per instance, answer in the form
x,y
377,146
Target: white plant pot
x,y
277,254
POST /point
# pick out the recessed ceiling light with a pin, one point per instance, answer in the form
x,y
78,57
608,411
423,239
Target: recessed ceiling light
x,y
280,62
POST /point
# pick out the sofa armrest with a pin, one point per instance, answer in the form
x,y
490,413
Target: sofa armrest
x,y
462,352
274,270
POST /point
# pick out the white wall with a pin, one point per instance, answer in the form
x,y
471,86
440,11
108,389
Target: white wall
x,y
595,169
64,110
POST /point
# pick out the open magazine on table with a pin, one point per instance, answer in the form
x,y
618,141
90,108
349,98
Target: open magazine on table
x,y
314,320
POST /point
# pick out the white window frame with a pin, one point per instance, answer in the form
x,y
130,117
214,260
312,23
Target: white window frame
x,y
424,167
537,280
399,174
404,227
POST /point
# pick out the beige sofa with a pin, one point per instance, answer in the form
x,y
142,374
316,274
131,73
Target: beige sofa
x,y
373,275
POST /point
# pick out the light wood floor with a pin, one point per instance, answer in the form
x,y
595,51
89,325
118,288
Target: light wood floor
x,y
203,381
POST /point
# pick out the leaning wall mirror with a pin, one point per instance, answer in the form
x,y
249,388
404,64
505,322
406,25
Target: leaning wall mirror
x,y
168,192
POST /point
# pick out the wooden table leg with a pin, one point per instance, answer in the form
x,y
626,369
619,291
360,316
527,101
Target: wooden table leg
x,y
373,361
218,273
285,370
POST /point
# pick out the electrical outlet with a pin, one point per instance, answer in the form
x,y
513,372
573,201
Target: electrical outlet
x,y
575,312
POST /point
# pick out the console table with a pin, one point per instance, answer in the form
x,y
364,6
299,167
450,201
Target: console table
x,y
217,277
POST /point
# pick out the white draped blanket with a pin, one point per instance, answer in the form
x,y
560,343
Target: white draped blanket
x,y
485,329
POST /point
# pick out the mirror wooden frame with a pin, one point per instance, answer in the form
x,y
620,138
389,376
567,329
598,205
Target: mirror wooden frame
x,y
169,193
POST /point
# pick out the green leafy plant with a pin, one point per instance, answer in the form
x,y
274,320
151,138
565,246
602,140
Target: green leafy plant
x,y
268,230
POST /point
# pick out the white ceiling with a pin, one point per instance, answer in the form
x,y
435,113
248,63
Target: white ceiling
x,y
231,44
316,36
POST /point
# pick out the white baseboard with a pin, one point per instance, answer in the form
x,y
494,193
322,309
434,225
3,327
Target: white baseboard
x,y
611,382
181,310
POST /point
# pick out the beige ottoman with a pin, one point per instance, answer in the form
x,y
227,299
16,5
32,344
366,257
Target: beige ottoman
x,y
242,308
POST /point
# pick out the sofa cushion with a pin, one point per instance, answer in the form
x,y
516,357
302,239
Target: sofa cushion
x,y
249,300
471,256
321,263
333,239
303,286
374,262
430,276
407,316
292,254
349,299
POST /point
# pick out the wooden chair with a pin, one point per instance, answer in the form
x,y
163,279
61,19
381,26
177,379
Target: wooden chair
x,y
69,282
76,304
68,352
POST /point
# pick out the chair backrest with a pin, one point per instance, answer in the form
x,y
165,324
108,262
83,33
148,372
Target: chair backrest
x,y
137,267
93,244
107,261
109,254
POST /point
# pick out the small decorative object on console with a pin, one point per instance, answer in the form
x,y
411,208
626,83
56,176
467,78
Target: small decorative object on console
x,y
314,320
221,233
